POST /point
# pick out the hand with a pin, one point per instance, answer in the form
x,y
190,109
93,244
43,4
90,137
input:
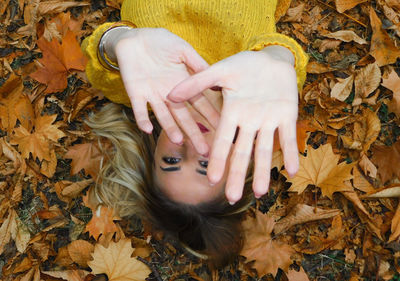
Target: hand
x,y
259,95
152,61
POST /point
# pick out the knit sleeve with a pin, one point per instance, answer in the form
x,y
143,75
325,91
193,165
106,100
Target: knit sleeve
x,y
301,58
108,81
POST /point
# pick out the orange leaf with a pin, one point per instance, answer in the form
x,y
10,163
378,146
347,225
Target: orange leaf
x,y
382,46
57,60
101,222
80,252
117,263
344,5
258,242
320,167
303,127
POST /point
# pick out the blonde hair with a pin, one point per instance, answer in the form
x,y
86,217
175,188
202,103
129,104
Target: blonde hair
x,y
127,184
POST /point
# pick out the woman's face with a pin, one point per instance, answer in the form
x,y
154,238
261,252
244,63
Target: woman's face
x,y
181,172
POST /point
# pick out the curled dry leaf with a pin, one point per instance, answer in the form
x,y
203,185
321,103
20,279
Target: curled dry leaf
x,y
346,36
385,192
320,167
342,89
367,166
302,213
117,263
344,5
382,47
56,6
258,242
387,158
395,227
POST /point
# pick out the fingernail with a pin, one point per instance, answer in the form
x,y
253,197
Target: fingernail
x,y
232,203
212,183
257,196
206,154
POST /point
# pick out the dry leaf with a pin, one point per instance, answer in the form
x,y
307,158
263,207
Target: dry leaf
x,y
87,156
342,89
382,46
346,36
385,192
117,263
367,166
302,213
395,227
6,229
367,80
321,168
387,158
58,59
344,5
258,242
294,275
294,14
80,252
69,275
37,142
56,6
102,222
392,82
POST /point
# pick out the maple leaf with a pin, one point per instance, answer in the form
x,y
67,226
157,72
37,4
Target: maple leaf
x,y
102,222
387,158
268,254
382,46
37,142
320,167
58,59
87,156
14,105
392,82
117,263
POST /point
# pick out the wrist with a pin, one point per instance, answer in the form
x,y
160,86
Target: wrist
x,y
113,38
279,53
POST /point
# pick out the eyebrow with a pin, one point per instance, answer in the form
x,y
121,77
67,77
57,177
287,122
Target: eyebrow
x,y
177,168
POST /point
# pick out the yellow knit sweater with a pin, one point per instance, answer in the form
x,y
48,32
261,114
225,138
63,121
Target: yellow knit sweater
x,y
215,28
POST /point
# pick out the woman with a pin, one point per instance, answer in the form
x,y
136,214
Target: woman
x,y
165,61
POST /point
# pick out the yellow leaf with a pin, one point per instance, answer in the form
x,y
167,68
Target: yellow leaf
x,y
117,263
258,242
320,167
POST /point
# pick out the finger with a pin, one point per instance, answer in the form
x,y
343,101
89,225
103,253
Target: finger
x,y
205,108
238,165
166,121
263,156
193,85
139,106
287,137
189,126
221,146
193,60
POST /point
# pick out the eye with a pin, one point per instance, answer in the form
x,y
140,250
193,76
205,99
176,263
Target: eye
x,y
171,160
204,164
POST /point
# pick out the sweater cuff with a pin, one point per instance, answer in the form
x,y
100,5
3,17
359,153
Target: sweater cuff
x,y
259,42
109,82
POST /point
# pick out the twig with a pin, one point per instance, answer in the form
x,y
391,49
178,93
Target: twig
x,y
153,269
346,15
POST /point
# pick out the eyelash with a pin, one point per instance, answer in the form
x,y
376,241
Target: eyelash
x,y
204,164
171,160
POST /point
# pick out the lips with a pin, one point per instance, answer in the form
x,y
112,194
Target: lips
x,y
203,129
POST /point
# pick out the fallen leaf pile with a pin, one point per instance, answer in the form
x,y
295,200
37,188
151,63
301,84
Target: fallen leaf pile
x,y
338,218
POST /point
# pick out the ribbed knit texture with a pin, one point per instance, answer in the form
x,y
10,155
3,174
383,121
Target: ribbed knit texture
x,y
215,28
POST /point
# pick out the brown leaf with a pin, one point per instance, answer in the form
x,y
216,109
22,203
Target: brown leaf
x,y
392,82
342,89
294,275
346,36
321,168
395,227
56,6
69,275
117,263
57,60
80,252
87,156
102,222
344,5
302,213
387,158
6,229
367,80
382,46
367,166
258,241
385,192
